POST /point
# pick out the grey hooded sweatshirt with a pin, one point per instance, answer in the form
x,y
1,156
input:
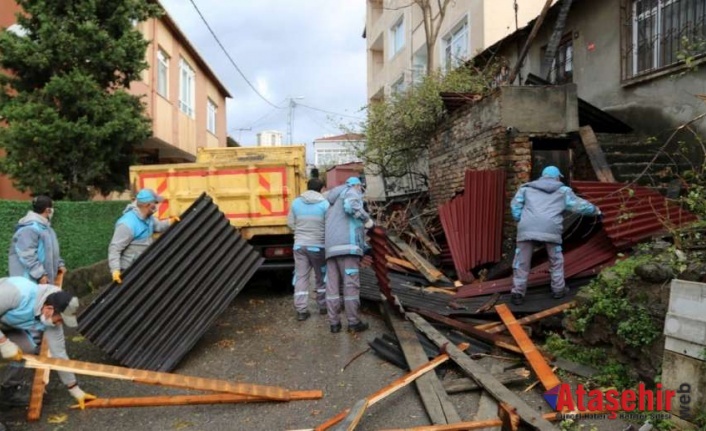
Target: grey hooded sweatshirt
x,y
34,250
306,218
345,234
133,234
538,206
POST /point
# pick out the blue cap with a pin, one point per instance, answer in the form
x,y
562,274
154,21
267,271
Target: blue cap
x,y
353,181
551,172
147,196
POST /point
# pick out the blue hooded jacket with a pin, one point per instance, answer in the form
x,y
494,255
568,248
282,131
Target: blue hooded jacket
x,y
345,232
34,250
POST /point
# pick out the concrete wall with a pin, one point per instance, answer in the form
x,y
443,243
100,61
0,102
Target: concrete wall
x,y
652,104
540,109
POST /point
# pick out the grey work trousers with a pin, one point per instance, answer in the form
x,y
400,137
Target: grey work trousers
x,y
15,373
342,275
306,260
523,259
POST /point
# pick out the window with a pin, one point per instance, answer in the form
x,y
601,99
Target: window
x,y
419,64
659,30
562,68
397,37
186,88
398,86
162,74
211,110
455,46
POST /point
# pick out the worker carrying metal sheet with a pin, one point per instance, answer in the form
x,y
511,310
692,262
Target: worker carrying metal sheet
x,y
27,312
346,222
34,249
306,218
538,207
134,230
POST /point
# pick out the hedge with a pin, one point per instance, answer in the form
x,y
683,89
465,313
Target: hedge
x,y
84,229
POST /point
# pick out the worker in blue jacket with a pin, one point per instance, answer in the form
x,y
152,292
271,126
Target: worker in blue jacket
x,y
538,207
34,249
134,230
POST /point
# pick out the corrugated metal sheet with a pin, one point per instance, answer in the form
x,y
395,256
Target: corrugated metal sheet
x,y
473,221
597,251
174,291
632,214
378,241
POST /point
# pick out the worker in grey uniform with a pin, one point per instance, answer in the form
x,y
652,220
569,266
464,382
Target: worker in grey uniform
x,y
306,218
346,222
27,312
538,207
133,232
34,249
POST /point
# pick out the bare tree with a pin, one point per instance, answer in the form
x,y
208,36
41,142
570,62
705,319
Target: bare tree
x,y
432,24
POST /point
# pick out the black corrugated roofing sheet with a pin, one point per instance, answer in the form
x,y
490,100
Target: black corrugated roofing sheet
x,y
173,292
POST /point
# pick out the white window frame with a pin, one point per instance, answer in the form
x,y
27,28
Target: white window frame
x,y
397,37
458,32
187,88
211,115
163,66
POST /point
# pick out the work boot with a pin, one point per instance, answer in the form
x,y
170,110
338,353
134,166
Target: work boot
x,y
559,294
518,299
303,315
358,327
336,328
14,396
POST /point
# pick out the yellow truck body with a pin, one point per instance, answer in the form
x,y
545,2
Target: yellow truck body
x,y
252,186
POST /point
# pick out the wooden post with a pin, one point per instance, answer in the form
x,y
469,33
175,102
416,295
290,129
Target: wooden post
x,y
596,155
530,39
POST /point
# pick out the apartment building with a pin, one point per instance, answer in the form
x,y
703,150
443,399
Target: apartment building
x,y
269,138
337,150
396,39
184,98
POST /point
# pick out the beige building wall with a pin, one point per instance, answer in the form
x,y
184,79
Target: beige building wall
x,y
485,21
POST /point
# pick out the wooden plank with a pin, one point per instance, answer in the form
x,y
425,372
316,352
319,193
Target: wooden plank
x,y
465,384
156,378
400,262
427,269
422,236
435,399
487,406
487,305
481,375
354,416
183,400
596,155
530,40
392,387
500,341
508,416
498,327
534,357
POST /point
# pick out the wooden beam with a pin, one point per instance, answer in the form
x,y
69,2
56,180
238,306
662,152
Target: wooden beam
x,y
508,416
534,357
354,416
530,39
392,387
436,401
596,155
487,405
400,262
183,400
156,378
465,384
500,341
427,269
497,327
481,375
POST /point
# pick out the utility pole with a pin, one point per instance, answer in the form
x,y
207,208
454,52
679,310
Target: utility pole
x,y
290,117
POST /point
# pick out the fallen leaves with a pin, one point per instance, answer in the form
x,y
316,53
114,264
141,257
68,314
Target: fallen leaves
x,y
58,419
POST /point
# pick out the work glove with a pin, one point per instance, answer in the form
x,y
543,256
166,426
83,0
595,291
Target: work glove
x,y
43,280
62,270
599,215
369,224
10,351
173,220
81,396
116,276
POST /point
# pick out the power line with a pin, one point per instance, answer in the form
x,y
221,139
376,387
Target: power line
x,y
329,112
229,57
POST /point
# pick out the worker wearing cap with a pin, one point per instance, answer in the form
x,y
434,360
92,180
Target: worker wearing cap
x,y
134,230
346,222
34,249
306,219
538,207
28,311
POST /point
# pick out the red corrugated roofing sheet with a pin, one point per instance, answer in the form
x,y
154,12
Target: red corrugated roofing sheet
x,y
582,260
632,214
473,221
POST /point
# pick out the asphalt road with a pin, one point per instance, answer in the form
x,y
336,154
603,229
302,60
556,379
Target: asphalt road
x,y
258,340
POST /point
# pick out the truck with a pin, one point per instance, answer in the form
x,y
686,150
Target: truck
x,y
252,186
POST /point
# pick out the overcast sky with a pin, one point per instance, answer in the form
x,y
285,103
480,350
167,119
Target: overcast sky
x,y
286,48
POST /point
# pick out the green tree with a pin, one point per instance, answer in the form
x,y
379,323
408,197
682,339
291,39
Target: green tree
x,y
71,125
